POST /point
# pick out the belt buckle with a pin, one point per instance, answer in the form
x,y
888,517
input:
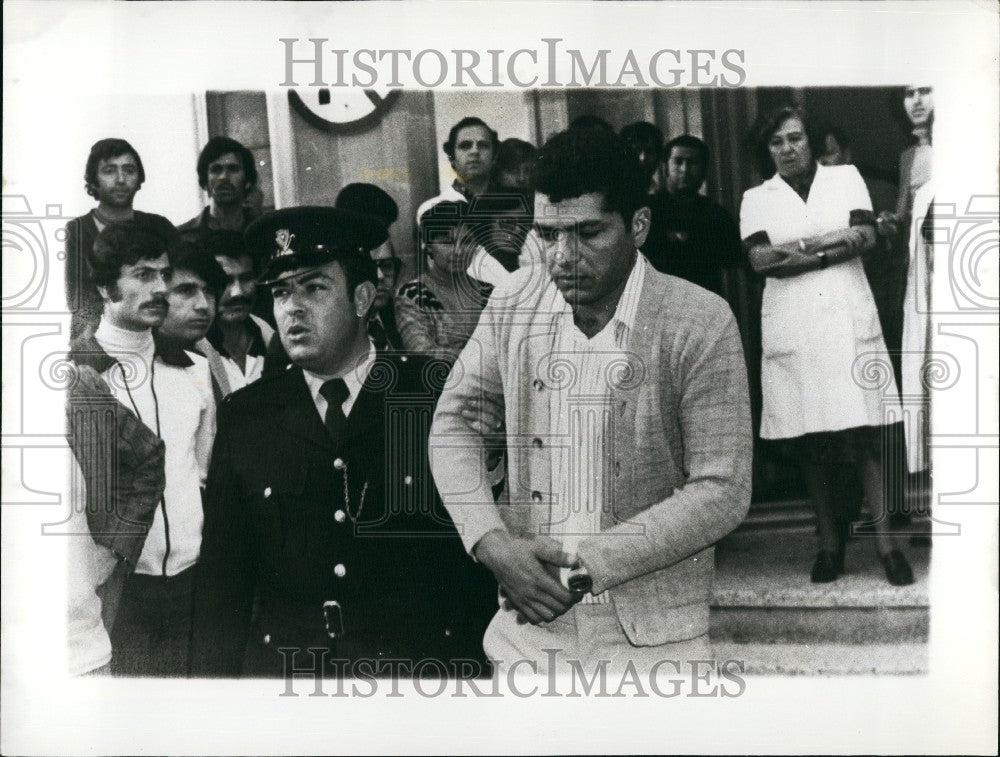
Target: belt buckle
x,y
333,619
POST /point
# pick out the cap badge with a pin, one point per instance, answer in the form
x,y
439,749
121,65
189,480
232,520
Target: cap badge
x,y
284,240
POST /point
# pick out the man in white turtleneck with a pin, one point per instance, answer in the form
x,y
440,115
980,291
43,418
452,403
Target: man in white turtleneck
x,y
170,391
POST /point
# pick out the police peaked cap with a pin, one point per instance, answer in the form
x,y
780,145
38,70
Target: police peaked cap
x,y
308,237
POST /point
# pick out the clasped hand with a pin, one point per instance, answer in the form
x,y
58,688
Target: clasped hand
x,y
528,573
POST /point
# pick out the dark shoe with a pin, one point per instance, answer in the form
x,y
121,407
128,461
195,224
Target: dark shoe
x,y
897,569
843,534
825,568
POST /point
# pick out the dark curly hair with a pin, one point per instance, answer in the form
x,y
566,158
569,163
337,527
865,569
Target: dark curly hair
x,y
215,149
449,146
189,255
106,149
122,244
579,161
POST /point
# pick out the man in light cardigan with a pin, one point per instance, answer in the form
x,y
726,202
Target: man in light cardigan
x,y
621,395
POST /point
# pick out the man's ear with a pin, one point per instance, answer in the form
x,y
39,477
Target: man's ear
x,y
640,226
364,296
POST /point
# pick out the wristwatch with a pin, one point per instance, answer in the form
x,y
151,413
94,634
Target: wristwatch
x,y
823,262
579,580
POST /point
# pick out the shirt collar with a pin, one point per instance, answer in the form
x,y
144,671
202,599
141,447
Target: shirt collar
x,y
257,348
628,303
354,379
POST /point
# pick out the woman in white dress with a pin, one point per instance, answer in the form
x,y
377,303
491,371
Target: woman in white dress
x,y
828,386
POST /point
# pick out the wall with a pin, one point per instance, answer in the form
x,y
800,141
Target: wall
x,y
397,154
510,113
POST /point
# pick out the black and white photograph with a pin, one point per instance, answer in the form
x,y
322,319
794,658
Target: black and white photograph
x,y
408,376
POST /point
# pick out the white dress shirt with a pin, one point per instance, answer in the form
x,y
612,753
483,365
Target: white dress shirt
x,y
354,379
580,415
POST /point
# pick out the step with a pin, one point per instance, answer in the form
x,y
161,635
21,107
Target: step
x,y
908,658
798,515
762,594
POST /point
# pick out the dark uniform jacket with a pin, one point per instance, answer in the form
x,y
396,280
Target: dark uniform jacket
x,y
282,522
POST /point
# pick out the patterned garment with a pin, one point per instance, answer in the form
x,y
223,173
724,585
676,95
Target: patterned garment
x,y
439,321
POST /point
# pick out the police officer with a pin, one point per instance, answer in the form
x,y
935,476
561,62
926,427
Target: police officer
x,y
319,499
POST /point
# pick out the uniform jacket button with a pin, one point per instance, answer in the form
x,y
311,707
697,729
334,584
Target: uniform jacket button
x,y
447,632
338,464
339,570
340,516
408,480
267,638
267,492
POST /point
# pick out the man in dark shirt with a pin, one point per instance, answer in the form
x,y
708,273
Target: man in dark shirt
x,y
226,171
691,236
113,176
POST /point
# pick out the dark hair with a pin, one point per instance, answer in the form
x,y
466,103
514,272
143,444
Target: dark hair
x,y
449,146
226,243
578,161
898,110
590,122
368,200
643,133
514,152
838,134
106,149
189,255
687,140
765,127
215,149
121,244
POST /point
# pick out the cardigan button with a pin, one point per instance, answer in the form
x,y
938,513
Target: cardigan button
x,y
536,443
538,384
536,496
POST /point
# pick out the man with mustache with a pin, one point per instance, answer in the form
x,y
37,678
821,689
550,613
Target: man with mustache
x,y
240,337
319,501
227,172
113,175
168,390
471,149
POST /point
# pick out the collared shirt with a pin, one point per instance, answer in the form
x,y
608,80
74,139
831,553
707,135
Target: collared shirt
x,y
580,414
260,332
354,379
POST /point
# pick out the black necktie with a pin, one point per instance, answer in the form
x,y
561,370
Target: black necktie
x,y
335,392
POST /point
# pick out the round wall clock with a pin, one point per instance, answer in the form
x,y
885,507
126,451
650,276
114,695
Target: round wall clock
x,y
342,109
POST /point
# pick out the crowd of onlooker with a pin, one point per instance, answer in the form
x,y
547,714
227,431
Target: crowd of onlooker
x,y
167,322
